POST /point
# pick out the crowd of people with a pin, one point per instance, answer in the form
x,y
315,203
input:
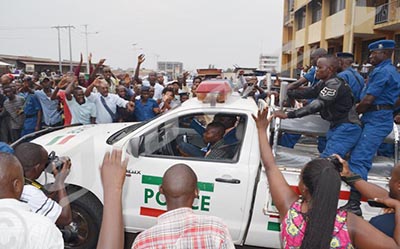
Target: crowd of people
x,y
309,220
29,103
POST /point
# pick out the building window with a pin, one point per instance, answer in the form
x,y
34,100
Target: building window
x,y
336,6
366,3
301,18
362,3
316,8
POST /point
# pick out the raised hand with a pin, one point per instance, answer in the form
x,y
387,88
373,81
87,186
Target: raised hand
x,y
113,170
186,74
141,58
101,61
63,82
97,81
261,120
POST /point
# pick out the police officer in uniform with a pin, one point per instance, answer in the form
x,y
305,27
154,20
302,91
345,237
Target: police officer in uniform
x,y
287,139
350,75
32,108
376,107
335,102
310,76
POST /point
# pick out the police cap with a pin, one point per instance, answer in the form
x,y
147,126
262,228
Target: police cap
x,y
345,55
381,44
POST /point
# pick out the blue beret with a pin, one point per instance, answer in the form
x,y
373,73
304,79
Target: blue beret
x,y
145,88
382,44
344,55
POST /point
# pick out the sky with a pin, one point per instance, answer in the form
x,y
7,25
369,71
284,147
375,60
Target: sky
x,y
197,33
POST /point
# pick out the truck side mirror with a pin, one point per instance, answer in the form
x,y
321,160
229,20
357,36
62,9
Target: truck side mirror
x,y
134,146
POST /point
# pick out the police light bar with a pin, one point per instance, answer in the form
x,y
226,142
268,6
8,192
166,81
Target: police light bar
x,y
213,89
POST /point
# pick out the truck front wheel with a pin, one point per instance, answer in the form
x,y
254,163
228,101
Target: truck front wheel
x,y
87,213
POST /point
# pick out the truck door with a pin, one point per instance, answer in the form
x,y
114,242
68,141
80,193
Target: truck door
x,y
226,185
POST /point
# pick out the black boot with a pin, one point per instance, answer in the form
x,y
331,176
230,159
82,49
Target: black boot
x,y
353,205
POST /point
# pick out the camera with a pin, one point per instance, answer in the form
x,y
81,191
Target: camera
x,y
56,160
335,161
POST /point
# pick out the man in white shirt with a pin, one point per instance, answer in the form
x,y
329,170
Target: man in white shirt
x,y
106,103
52,202
158,88
21,228
82,111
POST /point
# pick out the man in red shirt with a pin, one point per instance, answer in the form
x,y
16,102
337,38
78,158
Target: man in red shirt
x,y
60,95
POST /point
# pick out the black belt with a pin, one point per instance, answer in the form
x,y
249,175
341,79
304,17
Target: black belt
x,y
374,108
44,125
30,116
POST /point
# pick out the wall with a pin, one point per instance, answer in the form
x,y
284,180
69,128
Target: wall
x,y
364,20
300,35
314,32
335,25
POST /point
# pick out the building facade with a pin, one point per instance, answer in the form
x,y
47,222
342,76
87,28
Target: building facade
x,y
171,68
269,63
31,64
338,26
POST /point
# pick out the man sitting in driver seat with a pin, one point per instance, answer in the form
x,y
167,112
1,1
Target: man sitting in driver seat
x,y
228,120
216,147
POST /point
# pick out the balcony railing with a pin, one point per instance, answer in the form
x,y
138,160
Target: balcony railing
x,y
388,12
382,13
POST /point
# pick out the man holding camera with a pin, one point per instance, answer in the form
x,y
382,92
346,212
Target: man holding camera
x,y
51,201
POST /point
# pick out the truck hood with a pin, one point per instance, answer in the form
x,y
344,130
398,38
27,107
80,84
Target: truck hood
x,y
81,138
85,145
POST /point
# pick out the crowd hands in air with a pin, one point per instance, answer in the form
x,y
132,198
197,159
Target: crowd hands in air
x,y
310,219
30,103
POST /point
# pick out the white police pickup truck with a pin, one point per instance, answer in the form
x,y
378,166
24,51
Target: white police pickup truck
x,y
234,189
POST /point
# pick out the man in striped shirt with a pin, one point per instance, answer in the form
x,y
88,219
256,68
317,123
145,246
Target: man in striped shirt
x,y
14,106
51,202
179,227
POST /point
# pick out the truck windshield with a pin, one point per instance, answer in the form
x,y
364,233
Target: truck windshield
x,y
122,133
127,130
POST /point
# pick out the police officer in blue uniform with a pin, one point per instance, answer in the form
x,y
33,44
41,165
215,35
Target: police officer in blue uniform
x,y
376,106
310,76
287,139
350,75
32,108
335,102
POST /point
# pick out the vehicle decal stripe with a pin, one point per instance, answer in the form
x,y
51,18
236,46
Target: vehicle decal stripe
x,y
205,186
153,212
155,180
54,140
152,180
66,139
274,226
